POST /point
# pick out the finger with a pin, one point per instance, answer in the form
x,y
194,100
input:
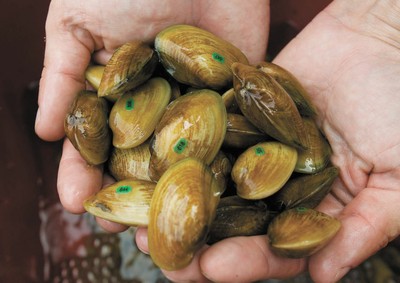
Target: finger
x,y
67,54
110,226
141,240
250,36
107,225
102,56
191,273
76,179
369,222
246,259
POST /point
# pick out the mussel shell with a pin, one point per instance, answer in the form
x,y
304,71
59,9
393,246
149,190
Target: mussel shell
x,y
136,113
239,218
305,191
197,57
240,133
130,163
317,155
300,232
193,125
93,75
230,101
292,86
126,202
86,126
221,167
263,169
268,106
181,211
130,65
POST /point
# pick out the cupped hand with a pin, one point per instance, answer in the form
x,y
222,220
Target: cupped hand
x,y
79,31
348,58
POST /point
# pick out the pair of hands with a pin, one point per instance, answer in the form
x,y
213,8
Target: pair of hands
x,y
348,60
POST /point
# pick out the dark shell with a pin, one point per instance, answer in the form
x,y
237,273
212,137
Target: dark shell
x,y
86,126
292,86
305,191
267,106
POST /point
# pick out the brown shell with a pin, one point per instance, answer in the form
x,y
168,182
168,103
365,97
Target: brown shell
x,y
239,218
197,57
267,105
86,126
136,113
126,202
221,168
130,163
181,211
193,125
130,65
317,155
263,169
292,86
300,232
230,101
305,191
240,133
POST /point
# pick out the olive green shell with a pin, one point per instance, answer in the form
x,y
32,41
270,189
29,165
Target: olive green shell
x,y
181,212
130,65
267,106
86,126
193,125
197,57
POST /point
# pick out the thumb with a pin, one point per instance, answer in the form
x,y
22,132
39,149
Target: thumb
x,y
67,54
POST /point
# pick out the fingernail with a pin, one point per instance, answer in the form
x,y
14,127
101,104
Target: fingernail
x,y
37,121
341,272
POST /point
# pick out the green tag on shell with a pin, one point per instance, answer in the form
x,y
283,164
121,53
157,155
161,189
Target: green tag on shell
x,y
123,189
180,145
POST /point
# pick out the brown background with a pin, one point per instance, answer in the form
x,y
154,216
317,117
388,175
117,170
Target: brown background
x,y
28,166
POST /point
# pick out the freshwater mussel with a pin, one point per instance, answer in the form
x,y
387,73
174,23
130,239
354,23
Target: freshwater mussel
x,y
181,212
211,127
86,126
193,125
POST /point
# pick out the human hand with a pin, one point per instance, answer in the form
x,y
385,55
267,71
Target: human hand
x,y
77,32
347,58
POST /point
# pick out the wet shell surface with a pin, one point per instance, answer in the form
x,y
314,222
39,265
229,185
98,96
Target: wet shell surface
x,y
86,126
93,75
300,232
197,57
130,65
136,113
317,155
305,191
221,167
268,106
239,218
181,211
126,202
193,125
240,133
263,169
130,163
292,86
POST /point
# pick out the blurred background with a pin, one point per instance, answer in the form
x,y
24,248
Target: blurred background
x,y
39,241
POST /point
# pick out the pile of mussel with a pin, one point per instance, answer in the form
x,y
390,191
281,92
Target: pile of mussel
x,y
204,146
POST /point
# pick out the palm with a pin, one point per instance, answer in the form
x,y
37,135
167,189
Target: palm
x,y
353,82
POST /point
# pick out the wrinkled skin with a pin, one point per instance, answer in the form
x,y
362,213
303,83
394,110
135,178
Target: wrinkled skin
x,y
348,59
